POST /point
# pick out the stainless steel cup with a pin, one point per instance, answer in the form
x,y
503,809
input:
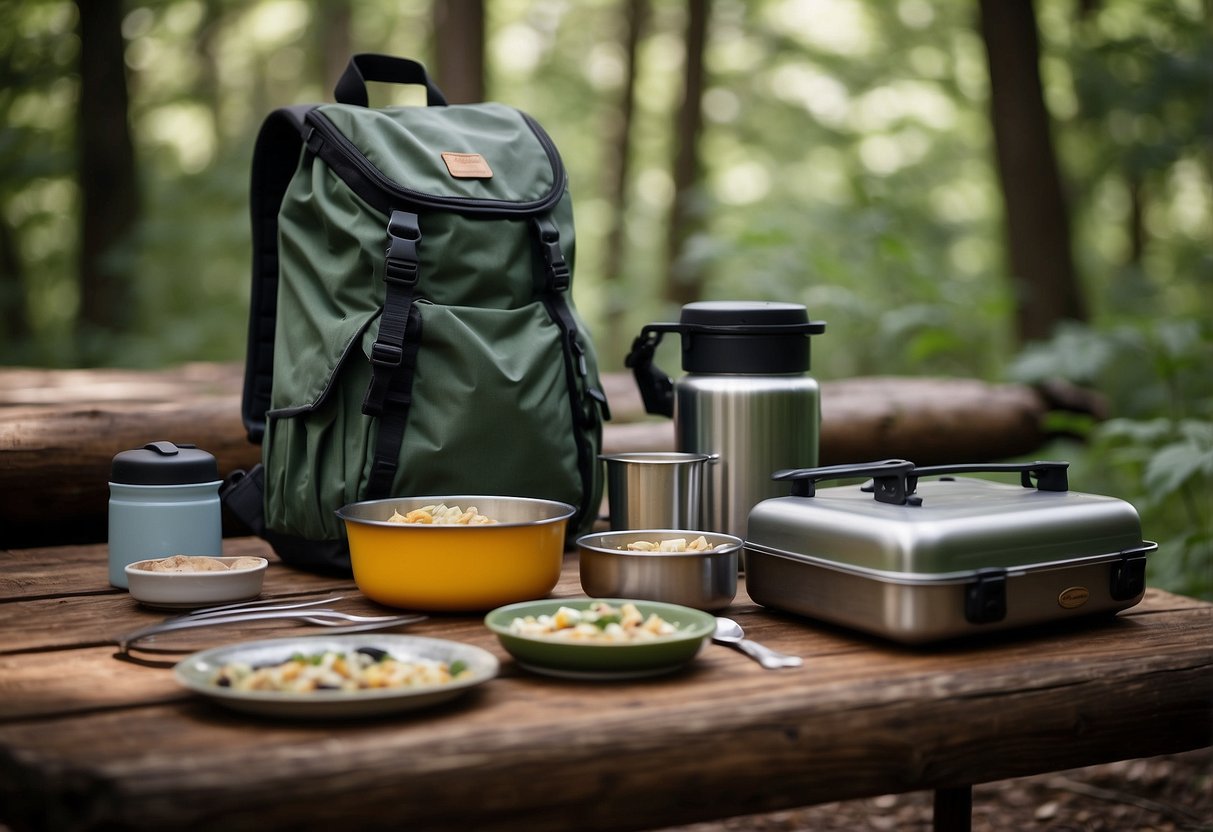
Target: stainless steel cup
x,y
655,490
705,580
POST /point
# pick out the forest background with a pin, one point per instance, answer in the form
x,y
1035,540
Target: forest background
x,y
997,189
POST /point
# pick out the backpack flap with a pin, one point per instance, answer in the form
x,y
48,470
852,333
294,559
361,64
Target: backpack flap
x,y
478,159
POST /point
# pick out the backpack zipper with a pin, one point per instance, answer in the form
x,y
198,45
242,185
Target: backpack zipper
x,y
343,156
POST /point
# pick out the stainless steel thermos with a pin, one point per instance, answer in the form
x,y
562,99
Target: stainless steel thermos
x,y
746,399
164,500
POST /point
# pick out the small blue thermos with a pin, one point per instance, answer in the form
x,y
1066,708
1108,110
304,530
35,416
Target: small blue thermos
x,y
164,501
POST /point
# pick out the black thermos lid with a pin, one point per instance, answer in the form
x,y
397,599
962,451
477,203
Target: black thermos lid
x,y
746,337
164,463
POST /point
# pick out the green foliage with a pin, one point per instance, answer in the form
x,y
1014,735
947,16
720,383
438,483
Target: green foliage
x,y
37,194
854,176
1157,450
1134,103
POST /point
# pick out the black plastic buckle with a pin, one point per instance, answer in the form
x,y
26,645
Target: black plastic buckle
x,y
404,226
553,260
386,355
400,272
555,269
404,233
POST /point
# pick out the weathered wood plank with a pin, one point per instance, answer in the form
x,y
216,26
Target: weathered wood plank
x,y
37,685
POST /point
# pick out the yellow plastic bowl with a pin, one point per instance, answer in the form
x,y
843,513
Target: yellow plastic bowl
x,y
441,568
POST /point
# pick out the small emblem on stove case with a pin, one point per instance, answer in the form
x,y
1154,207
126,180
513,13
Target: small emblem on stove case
x,y
1073,597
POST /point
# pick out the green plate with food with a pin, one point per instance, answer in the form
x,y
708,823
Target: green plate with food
x,y
600,638
336,676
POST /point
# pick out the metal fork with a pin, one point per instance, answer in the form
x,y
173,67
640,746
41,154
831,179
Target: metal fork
x,y
337,621
254,606
320,617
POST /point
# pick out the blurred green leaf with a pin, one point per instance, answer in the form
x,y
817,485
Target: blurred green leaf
x,y
1172,467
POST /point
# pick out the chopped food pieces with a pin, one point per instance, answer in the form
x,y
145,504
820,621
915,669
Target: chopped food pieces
x,y
600,622
366,668
443,515
196,563
677,544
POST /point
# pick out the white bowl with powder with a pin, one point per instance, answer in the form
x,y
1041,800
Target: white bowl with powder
x,y
189,581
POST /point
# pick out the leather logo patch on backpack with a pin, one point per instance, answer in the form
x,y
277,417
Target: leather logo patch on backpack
x,y
467,165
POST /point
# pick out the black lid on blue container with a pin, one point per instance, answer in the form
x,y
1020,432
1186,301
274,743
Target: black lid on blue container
x,y
164,463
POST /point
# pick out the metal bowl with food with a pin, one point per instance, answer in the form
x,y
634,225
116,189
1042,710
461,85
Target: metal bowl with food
x,y
691,568
506,549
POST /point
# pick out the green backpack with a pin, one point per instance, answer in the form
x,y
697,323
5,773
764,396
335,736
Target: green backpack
x,y
411,330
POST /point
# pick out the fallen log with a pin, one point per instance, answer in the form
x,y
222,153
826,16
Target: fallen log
x,y
59,431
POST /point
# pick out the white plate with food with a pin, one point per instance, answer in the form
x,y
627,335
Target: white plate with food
x,y
336,676
191,581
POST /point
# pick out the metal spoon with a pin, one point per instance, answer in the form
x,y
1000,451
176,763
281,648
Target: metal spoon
x,y
729,632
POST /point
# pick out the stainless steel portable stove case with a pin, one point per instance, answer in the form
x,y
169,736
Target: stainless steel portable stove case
x,y
918,561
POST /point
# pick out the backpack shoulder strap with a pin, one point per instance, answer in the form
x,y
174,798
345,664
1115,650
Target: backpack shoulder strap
x,y
275,158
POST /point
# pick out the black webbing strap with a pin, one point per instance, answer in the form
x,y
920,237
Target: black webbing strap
x,y
553,282
394,353
275,159
395,417
553,279
553,285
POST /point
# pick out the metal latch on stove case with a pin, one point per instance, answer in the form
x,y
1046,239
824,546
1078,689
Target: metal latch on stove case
x,y
986,598
1128,576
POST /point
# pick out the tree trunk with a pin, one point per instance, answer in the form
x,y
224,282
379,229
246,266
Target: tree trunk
x,y
334,47
459,46
617,158
14,324
1137,220
207,87
1046,286
107,178
684,283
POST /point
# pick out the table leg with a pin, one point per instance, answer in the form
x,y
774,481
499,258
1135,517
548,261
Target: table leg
x,y
954,809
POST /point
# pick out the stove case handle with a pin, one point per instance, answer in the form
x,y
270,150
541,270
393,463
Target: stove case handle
x,y
1042,475
894,481
887,473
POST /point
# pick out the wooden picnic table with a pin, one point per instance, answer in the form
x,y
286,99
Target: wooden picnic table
x,y
91,741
